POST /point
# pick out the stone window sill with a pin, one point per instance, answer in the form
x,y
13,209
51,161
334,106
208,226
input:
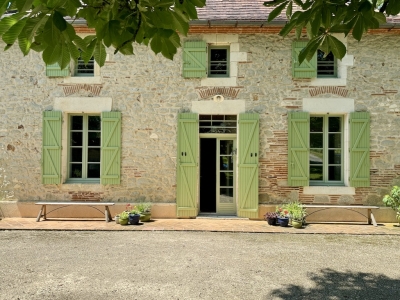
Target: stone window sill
x,y
329,190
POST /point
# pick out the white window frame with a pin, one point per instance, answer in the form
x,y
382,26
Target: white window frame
x,y
213,47
85,146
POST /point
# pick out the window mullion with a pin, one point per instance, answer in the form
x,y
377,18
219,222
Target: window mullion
x,y
85,147
325,129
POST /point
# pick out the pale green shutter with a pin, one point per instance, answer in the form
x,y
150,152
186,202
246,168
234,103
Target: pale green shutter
x,y
187,165
51,147
54,70
359,149
248,155
298,148
307,69
195,59
110,148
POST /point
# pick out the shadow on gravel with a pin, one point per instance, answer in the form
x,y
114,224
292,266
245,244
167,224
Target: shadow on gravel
x,y
331,284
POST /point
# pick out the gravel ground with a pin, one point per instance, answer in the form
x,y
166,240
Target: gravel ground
x,y
197,265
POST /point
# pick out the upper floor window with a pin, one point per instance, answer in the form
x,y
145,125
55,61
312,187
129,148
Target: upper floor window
x,y
326,65
84,70
218,61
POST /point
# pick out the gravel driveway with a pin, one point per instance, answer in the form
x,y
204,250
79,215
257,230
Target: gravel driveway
x,y
197,265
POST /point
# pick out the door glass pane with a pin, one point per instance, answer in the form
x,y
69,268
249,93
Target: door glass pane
x,y
334,173
316,156
75,171
316,140
93,171
76,154
226,147
335,157
226,163
316,124
334,124
77,123
94,155
94,138
335,140
76,139
316,173
226,179
226,195
94,123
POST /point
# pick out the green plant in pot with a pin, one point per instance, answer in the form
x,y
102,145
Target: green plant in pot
x,y
271,217
282,215
297,214
144,209
124,218
393,201
134,216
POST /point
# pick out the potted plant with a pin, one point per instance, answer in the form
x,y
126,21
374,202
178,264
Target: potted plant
x,y
124,218
134,216
145,211
283,216
393,200
271,217
297,214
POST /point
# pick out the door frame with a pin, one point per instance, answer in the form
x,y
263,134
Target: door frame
x,y
220,136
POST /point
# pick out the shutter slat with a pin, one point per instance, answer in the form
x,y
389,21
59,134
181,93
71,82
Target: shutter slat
x,y
359,149
110,148
248,155
195,59
51,147
187,165
307,69
298,148
54,70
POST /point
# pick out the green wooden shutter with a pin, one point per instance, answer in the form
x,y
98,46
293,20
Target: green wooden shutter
x,y
359,149
51,147
248,155
54,70
110,148
195,59
187,165
298,148
307,69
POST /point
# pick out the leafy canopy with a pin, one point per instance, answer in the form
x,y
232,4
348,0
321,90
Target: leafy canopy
x,y
46,26
323,18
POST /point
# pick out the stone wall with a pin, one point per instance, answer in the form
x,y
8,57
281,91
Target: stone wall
x,y
150,91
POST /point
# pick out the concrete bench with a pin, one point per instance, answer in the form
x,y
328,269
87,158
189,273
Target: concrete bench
x,y
369,216
42,212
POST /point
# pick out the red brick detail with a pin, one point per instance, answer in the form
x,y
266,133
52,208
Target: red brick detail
x,y
336,90
206,92
70,89
86,196
132,172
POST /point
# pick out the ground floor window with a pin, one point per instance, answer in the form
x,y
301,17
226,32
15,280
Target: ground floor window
x,y
326,150
84,147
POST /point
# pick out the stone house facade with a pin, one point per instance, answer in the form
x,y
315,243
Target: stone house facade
x,y
217,137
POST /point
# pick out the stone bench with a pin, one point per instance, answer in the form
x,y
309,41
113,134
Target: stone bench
x,y
43,213
370,217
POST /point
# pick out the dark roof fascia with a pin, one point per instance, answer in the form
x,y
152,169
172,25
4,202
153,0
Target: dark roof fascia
x,y
236,23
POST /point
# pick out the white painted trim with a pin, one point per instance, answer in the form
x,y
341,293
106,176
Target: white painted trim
x,y
227,107
82,104
328,105
329,190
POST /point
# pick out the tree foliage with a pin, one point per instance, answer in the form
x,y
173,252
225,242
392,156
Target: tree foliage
x,y
46,26
323,18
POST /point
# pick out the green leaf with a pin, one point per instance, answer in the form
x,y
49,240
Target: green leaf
x,y
127,49
393,8
73,51
59,21
87,55
111,32
24,5
71,6
198,3
309,51
336,46
358,29
179,24
12,34
175,40
156,44
24,44
100,53
289,10
51,32
380,17
277,11
80,43
288,28
52,54
64,57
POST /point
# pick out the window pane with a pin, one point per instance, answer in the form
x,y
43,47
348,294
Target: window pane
x,y
94,123
334,173
218,55
335,157
316,124
226,179
93,171
205,117
335,124
77,123
76,171
94,138
218,117
316,156
316,173
316,140
335,140
326,65
230,117
76,139
76,154
226,195
93,155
